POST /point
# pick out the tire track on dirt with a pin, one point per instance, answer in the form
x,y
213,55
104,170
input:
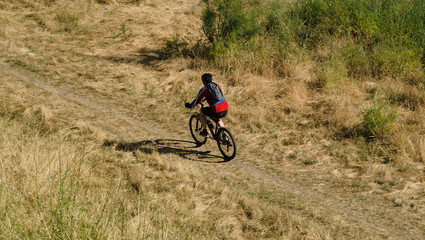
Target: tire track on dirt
x,y
83,101
349,214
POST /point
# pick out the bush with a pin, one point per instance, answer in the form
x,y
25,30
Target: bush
x,y
357,60
391,32
229,20
387,38
226,22
377,120
394,60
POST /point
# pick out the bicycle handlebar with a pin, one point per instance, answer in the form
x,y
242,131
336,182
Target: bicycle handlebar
x,y
202,102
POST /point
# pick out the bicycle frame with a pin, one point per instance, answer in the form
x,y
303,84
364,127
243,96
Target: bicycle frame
x,y
224,138
213,127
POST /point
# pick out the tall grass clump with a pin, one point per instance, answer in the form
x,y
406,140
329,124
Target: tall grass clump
x,y
247,35
227,22
378,119
388,37
391,33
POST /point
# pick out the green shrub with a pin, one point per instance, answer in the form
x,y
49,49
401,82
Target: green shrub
x,y
377,120
357,60
313,15
229,19
395,60
391,33
226,22
387,38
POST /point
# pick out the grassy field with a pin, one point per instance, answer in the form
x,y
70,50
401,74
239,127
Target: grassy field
x,y
331,133
61,179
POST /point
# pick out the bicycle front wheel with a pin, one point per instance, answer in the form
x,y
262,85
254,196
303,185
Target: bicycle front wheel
x,y
226,144
195,129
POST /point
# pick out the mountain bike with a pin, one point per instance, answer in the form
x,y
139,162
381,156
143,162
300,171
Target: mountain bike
x,y
224,138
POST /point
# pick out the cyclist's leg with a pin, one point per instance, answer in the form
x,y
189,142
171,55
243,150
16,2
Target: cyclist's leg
x,y
203,119
219,116
220,123
206,111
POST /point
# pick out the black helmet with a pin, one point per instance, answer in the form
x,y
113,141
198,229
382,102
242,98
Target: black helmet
x,y
206,78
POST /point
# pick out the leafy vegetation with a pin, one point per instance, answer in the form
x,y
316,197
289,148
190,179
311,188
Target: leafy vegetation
x,y
378,119
227,22
347,52
388,37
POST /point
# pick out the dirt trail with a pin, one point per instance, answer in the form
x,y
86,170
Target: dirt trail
x,y
352,212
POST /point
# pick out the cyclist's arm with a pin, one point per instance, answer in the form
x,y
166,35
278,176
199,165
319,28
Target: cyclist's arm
x,y
198,98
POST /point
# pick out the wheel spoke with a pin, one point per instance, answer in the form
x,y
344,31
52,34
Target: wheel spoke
x,y
195,128
226,144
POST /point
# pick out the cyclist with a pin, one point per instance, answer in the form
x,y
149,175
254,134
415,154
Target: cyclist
x,y
218,105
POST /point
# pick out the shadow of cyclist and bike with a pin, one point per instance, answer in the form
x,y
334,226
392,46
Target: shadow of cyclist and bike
x,y
181,148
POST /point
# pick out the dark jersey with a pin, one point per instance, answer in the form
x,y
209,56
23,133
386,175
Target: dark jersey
x,y
216,105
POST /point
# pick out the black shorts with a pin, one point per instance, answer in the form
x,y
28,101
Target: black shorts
x,y
207,111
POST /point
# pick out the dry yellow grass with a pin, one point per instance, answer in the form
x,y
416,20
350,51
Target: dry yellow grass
x,y
65,184
290,121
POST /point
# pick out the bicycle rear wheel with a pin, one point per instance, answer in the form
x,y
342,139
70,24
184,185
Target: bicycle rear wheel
x,y
195,128
226,143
